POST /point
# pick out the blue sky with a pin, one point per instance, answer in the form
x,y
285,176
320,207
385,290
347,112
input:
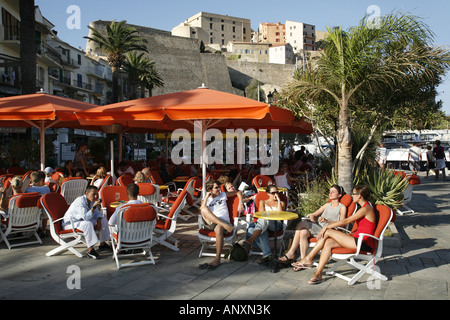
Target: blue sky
x,y
167,14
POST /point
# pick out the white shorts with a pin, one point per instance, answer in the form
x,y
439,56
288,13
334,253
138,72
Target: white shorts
x,y
440,164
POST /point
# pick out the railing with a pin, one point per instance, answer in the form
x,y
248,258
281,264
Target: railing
x,y
45,49
82,85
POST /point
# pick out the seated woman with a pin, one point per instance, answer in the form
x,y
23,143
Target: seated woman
x,y
328,238
282,178
258,231
139,177
100,175
16,186
330,212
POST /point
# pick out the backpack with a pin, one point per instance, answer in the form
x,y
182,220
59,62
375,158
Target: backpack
x,y
236,253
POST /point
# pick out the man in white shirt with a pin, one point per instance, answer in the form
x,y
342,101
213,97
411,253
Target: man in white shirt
x,y
214,211
132,194
86,216
414,158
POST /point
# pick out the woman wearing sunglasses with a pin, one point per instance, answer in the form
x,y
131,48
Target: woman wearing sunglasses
x,y
257,232
332,211
328,238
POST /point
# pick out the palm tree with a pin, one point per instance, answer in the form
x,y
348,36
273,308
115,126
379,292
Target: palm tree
x,y
141,72
28,46
151,78
119,40
359,61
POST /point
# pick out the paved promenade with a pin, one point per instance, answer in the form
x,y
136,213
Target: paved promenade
x,y
417,266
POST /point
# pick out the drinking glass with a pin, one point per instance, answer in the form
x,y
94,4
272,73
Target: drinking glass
x,y
117,196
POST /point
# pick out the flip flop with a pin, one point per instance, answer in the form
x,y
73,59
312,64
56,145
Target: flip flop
x,y
299,266
211,267
287,261
315,280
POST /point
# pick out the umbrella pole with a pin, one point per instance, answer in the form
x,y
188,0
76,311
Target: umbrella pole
x,y
203,157
42,146
120,145
167,145
112,162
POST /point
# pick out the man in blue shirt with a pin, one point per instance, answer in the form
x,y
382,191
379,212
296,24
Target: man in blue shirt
x,y
38,185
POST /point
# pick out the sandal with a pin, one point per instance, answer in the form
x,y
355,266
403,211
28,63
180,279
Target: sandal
x,y
315,280
287,260
299,266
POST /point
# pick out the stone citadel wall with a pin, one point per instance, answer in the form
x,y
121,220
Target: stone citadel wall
x,y
182,66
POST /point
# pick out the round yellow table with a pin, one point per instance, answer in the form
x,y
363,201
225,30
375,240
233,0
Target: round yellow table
x,y
279,189
276,216
116,204
163,187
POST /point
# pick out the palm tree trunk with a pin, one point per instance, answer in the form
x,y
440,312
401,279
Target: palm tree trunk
x,y
115,88
344,138
28,47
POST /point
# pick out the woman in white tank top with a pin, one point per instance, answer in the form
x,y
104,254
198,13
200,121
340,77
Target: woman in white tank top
x,y
258,232
330,212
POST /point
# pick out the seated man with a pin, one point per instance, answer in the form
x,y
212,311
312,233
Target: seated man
x,y
214,211
125,168
132,194
38,185
48,174
87,217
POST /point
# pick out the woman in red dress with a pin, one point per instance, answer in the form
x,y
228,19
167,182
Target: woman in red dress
x,y
329,238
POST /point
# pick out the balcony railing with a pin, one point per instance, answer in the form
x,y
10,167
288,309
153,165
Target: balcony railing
x,y
82,85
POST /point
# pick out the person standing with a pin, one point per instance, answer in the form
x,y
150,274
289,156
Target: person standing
x,y
382,156
80,160
439,156
414,158
430,160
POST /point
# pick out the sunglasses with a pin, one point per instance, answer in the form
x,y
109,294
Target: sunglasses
x,y
355,194
274,192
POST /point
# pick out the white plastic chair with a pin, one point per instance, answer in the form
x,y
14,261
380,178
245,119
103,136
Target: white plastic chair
x,y
166,224
23,217
134,231
73,188
55,206
149,193
349,256
408,194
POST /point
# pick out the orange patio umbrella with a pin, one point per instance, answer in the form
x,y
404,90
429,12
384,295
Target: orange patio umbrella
x,y
213,109
41,111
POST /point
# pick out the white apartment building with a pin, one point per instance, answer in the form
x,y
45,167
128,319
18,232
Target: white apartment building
x,y
60,68
214,28
281,54
301,36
